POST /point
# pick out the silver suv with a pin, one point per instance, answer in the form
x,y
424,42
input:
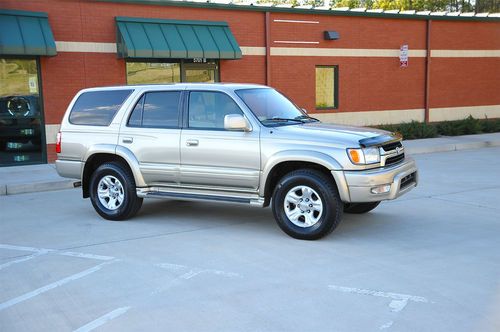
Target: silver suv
x,y
238,143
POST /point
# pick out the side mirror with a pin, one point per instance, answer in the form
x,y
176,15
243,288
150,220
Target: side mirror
x,y
304,110
236,122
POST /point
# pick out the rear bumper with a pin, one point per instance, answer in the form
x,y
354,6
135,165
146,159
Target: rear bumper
x,y
401,178
69,168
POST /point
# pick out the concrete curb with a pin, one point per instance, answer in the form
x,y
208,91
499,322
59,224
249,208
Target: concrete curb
x,y
450,144
33,187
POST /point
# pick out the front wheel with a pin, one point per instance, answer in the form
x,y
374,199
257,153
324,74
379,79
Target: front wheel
x,y
306,204
359,208
113,192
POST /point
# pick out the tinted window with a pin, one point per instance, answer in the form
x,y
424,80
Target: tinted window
x,y
208,109
97,108
161,109
135,119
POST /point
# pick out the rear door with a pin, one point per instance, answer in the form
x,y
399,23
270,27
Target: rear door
x,y
212,156
152,132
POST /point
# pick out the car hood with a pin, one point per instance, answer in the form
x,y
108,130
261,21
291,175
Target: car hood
x,y
329,133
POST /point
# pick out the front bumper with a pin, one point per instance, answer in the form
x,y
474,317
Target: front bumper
x,y
359,184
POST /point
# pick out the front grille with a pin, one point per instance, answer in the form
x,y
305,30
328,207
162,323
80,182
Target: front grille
x,y
392,146
395,159
407,180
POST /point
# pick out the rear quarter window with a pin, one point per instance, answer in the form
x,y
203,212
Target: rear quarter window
x,y
97,108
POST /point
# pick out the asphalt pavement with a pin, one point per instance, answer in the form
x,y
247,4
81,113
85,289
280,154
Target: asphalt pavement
x,y
428,261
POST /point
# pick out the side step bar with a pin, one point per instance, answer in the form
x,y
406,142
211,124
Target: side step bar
x,y
198,197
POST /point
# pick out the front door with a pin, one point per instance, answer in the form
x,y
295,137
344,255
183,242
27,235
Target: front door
x,y
213,157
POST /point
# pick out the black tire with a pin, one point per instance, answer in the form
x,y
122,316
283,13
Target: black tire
x,y
130,204
360,208
327,191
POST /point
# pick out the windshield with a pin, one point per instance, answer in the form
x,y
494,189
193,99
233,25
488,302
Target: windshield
x,y
271,107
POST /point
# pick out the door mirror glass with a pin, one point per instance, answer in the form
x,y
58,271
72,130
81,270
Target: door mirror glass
x,y
236,122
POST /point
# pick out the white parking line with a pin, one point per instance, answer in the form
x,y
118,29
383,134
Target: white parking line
x,y
21,248
193,272
102,320
23,259
48,287
41,251
398,303
82,255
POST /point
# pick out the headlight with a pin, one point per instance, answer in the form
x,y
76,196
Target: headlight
x,y
364,156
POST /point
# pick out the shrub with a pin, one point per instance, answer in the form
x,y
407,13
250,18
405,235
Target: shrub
x,y
467,126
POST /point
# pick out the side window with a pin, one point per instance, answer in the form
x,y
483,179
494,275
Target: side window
x,y
135,119
207,109
97,108
157,110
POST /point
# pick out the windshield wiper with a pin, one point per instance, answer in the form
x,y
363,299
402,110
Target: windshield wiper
x,y
306,117
276,119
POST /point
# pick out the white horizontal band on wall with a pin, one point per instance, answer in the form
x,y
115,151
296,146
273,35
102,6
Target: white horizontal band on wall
x,y
458,113
252,50
343,52
88,47
370,118
465,53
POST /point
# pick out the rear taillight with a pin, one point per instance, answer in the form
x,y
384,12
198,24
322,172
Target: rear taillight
x,y
58,142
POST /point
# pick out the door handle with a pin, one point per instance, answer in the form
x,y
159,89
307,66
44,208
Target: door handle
x,y
192,142
127,139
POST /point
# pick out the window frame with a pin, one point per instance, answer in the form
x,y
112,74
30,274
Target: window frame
x,y
336,100
180,108
183,65
185,122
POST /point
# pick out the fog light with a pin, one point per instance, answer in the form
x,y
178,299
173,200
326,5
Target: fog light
x,y
385,188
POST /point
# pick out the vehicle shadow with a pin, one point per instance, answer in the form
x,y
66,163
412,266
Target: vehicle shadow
x,y
208,214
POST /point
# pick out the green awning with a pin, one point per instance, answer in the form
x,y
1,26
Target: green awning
x,y
155,38
25,33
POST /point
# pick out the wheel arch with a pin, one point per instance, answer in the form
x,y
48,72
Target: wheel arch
x,y
285,162
99,155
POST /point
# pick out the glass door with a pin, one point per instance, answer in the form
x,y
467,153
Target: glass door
x,y
22,138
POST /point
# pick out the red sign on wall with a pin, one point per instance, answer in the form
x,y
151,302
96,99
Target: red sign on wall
x,y
403,56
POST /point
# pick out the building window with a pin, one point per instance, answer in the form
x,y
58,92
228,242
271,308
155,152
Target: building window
x,y
326,87
22,128
153,72
157,72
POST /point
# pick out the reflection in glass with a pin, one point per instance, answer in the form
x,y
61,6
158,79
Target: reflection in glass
x,y
200,75
20,115
153,73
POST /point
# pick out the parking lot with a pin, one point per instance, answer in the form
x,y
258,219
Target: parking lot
x,y
429,261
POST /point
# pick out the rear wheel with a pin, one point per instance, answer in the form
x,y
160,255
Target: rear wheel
x,y
306,204
113,192
359,208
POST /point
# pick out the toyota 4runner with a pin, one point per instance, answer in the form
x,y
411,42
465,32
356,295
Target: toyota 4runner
x,y
236,143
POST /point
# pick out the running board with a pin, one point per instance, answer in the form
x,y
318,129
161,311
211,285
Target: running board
x,y
198,197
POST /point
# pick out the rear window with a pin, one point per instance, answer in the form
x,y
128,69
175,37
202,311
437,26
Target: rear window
x,y
97,108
